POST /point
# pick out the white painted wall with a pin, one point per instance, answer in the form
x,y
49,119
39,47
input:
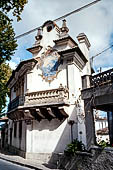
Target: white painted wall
x,y
36,83
16,142
51,136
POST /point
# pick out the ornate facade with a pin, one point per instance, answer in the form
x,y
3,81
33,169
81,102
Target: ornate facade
x,y
46,111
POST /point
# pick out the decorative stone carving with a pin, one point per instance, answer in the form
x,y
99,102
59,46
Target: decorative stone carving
x,y
38,37
40,114
50,112
47,96
64,29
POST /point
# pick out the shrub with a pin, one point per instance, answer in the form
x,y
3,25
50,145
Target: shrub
x,y
75,146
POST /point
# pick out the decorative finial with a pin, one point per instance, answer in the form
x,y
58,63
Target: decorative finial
x,y
64,29
38,37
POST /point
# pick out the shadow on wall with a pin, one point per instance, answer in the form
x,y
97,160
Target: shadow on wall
x,y
69,133
49,125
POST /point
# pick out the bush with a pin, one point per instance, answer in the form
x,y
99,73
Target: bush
x,y
103,144
75,146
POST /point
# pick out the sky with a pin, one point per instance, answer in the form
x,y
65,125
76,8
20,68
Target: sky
x,y
96,22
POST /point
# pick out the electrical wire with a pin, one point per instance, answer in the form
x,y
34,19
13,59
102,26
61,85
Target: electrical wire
x,y
101,52
60,18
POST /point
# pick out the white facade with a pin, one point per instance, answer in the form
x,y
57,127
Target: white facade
x,y
51,99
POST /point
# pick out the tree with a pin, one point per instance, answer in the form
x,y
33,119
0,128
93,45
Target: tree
x,y
16,6
7,42
5,73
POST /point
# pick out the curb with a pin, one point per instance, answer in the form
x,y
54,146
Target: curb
x,y
21,164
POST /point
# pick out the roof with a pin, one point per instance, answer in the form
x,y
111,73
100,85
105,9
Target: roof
x,y
4,119
18,67
103,131
101,118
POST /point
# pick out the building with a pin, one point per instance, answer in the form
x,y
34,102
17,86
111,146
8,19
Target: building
x,y
46,111
4,132
101,128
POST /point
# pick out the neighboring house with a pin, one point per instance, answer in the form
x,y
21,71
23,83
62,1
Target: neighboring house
x,y
101,128
4,132
46,111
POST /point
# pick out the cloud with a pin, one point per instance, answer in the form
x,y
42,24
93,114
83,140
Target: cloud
x,y
12,65
96,22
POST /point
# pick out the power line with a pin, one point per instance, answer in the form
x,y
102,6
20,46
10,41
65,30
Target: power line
x,y
77,10
60,18
101,52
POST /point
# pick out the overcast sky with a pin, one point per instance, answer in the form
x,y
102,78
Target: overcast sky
x,y
96,22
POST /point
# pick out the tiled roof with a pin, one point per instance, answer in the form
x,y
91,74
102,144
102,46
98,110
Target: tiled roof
x,y
3,119
103,131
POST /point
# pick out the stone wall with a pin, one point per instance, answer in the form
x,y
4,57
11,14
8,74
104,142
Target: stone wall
x,y
97,159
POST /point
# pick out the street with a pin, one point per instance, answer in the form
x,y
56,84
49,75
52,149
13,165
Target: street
x,y
5,165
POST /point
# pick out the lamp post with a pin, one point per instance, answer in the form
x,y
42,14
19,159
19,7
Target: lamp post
x,y
71,123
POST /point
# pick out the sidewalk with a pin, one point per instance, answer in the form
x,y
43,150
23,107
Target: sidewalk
x,y
23,162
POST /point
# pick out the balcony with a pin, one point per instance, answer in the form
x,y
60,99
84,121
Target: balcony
x,y
39,105
102,78
41,98
47,97
18,101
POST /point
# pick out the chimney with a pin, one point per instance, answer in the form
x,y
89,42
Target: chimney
x,y
84,45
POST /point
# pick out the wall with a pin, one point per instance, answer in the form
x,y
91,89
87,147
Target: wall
x,y
98,159
16,142
51,136
36,83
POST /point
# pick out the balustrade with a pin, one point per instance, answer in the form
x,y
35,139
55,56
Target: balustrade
x,y
47,96
102,78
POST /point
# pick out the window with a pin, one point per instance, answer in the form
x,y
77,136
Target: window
x,y
20,129
49,28
15,129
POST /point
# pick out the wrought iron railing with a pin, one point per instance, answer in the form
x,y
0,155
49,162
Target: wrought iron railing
x,y
102,78
18,101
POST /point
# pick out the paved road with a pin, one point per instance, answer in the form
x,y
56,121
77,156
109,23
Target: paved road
x,y
5,165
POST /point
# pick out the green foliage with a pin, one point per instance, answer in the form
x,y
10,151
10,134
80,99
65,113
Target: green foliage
x,y
15,6
75,146
7,42
103,144
5,73
7,35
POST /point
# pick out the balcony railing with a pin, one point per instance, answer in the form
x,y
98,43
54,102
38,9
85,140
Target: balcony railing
x,y
18,101
47,97
102,78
